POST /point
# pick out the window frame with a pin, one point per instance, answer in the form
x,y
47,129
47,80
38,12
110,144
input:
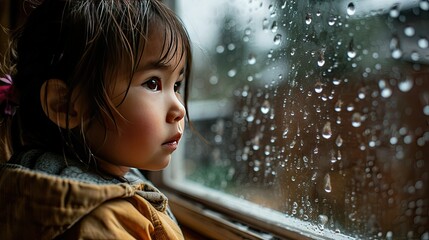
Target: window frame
x,y
199,208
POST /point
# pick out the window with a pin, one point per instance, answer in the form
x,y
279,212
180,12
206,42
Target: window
x,y
315,113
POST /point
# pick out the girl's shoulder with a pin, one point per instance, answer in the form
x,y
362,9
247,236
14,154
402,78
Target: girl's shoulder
x,y
59,165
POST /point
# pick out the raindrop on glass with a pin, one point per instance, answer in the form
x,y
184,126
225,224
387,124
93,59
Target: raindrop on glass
x,y
409,31
292,144
424,5
265,108
251,59
274,27
397,53
285,132
265,24
338,106
327,183
327,131
308,18
220,49
351,53
356,119
267,150
336,81
426,110
331,21
423,43
323,219
394,11
318,87
415,56
277,39
386,92
321,60
232,72
339,141
406,85
333,158
395,48
351,9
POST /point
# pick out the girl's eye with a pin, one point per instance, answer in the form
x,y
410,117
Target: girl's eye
x,y
153,84
177,86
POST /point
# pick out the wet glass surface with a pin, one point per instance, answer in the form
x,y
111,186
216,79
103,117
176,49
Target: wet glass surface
x,y
319,110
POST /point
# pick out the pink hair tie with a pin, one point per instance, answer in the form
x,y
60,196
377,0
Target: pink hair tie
x,y
7,104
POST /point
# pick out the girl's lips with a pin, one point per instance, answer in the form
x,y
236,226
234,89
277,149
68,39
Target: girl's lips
x,y
173,142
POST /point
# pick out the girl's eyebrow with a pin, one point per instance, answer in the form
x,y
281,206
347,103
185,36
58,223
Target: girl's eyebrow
x,y
151,65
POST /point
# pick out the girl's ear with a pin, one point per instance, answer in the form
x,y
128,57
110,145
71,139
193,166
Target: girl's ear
x,y
54,95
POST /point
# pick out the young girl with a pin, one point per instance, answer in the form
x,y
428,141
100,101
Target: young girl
x,y
94,93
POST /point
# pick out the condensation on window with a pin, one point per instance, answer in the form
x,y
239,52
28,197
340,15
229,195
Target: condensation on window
x,y
325,110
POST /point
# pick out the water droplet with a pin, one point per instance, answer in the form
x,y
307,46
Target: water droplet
x,y
397,53
338,106
386,92
362,93
232,72
247,31
356,119
423,43
214,80
351,9
318,87
285,132
406,85
251,59
277,39
321,60
426,110
255,145
336,81
352,216
316,150
351,53
327,183
395,48
331,21
323,219
339,155
424,5
333,158
274,27
339,141
327,131
256,165
409,31
220,49
308,18
265,108
231,47
267,150
265,24
394,11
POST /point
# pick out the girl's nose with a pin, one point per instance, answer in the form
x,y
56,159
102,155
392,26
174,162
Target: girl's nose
x,y
176,110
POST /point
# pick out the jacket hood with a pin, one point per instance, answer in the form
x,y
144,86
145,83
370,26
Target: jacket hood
x,y
48,205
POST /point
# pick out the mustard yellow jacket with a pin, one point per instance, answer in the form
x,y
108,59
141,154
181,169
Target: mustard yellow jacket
x,y
35,204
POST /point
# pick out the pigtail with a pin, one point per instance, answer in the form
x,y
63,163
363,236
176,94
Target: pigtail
x,y
8,96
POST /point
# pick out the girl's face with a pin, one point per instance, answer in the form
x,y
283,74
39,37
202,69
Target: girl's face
x,y
153,116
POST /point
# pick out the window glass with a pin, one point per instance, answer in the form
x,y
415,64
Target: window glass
x,y
315,110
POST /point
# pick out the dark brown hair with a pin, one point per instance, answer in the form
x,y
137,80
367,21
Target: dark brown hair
x,y
85,43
